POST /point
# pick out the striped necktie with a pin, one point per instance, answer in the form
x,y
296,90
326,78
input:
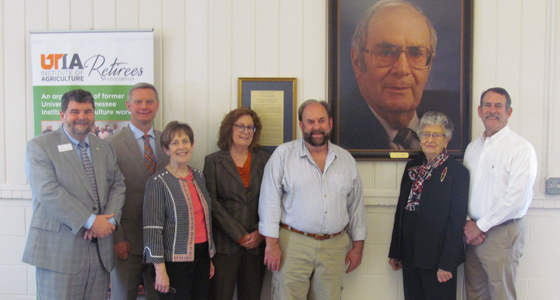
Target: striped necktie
x,y
88,166
407,138
149,157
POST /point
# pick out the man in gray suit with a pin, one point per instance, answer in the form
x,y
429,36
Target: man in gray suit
x,y
137,165
78,193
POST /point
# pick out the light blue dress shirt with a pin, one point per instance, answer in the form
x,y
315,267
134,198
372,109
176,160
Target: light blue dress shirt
x,y
138,135
294,191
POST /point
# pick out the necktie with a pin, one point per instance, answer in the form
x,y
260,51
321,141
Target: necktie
x,y
89,171
407,138
149,157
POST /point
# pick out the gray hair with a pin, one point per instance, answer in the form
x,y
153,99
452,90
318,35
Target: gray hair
x,y
143,85
312,101
500,91
434,118
359,39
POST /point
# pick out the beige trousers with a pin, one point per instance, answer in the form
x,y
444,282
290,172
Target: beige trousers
x,y
310,269
491,268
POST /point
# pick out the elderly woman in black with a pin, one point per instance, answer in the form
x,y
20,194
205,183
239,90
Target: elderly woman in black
x,y
177,221
427,239
233,178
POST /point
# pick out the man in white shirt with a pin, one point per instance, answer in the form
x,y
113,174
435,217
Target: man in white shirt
x,y
503,167
311,204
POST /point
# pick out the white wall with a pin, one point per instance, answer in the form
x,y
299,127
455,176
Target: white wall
x,y
202,47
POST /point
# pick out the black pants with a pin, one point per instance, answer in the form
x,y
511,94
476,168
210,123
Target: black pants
x,y
189,280
243,269
421,284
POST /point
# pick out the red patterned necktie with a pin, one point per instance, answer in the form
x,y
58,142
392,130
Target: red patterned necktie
x,y
149,157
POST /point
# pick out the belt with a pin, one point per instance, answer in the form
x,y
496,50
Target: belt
x,y
317,236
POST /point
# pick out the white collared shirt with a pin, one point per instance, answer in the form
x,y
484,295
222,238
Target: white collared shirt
x,y
503,170
294,191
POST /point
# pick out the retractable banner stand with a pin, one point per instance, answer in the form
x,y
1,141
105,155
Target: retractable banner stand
x,y
105,63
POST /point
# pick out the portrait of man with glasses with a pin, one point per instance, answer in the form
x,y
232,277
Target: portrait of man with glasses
x,y
392,53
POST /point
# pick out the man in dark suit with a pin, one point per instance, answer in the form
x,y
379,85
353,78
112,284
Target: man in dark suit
x,y
133,145
78,192
392,51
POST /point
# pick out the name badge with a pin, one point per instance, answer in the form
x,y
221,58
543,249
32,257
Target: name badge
x,y
65,147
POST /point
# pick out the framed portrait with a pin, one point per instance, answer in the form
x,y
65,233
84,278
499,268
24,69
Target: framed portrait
x,y
391,63
274,100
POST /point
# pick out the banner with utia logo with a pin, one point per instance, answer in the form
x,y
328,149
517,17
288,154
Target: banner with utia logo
x,y
106,63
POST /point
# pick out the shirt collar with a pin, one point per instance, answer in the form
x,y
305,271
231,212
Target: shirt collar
x,y
138,134
74,141
497,136
303,151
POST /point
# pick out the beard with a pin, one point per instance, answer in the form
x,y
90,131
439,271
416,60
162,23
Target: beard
x,y
71,127
308,137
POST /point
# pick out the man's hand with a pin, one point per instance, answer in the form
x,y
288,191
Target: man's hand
x,y
122,249
101,226
473,234
354,256
478,240
272,254
396,264
443,276
88,235
252,240
212,270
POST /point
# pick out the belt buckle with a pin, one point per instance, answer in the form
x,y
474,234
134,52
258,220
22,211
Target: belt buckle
x,y
320,236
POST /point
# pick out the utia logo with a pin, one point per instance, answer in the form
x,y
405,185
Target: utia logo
x,y
62,67
53,60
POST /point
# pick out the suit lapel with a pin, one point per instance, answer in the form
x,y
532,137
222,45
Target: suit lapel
x,y
256,161
74,161
132,144
229,165
161,157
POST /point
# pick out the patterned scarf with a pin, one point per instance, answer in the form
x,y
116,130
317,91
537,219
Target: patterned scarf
x,y
419,174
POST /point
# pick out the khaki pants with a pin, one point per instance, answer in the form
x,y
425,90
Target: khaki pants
x,y
491,268
310,269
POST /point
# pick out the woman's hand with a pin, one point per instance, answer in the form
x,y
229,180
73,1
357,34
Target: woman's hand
x,y
443,276
211,269
252,240
162,280
396,264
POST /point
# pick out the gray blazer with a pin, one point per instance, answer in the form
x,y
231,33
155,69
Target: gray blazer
x,y
169,219
136,174
234,209
63,201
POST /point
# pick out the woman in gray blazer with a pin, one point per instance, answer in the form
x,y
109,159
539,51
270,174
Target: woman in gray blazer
x,y
233,179
177,221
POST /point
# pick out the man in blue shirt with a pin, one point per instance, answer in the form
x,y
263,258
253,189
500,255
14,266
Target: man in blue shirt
x,y
311,204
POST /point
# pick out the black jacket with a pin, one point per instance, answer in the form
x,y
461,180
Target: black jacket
x,y
442,213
